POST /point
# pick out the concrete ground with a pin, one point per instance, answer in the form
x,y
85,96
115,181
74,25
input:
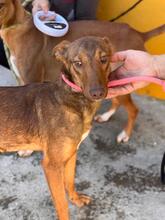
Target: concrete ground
x,y
122,179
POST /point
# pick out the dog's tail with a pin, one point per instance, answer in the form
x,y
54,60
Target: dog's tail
x,y
156,31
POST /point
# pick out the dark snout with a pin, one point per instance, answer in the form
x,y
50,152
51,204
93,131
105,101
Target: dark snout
x,y
96,86
97,93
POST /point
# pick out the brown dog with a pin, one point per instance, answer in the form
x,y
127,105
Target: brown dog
x,y
31,121
31,57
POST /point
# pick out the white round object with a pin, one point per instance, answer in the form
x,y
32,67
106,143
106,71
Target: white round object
x,y
55,28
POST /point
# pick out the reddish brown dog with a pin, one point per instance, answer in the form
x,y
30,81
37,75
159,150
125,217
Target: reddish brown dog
x,y
44,116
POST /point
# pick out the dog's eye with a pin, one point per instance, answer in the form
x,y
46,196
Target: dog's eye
x,y
104,60
77,63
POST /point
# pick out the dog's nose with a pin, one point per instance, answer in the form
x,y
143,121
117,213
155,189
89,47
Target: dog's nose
x,y
97,93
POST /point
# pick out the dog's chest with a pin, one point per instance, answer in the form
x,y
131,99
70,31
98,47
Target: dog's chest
x,y
88,117
13,62
83,138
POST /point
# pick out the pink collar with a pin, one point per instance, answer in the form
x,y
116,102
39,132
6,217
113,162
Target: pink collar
x,y
69,83
120,82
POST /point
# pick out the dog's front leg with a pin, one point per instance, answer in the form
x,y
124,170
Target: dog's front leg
x,y
55,177
77,199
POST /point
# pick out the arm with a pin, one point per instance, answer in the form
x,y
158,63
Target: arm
x,y
159,62
135,63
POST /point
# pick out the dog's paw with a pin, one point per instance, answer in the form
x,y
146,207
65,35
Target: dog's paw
x,y
25,153
123,137
80,200
104,117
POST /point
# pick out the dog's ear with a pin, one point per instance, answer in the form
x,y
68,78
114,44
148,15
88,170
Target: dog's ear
x,y
60,51
109,44
114,66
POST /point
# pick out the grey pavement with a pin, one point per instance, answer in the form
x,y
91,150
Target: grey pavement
x,y
122,179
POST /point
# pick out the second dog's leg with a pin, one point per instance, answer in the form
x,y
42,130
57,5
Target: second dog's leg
x,y
132,111
55,178
77,199
107,115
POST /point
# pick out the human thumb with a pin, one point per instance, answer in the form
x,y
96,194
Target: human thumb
x,y
119,56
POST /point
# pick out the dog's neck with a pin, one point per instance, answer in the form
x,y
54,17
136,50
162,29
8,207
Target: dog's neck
x,y
16,16
70,78
67,74
77,99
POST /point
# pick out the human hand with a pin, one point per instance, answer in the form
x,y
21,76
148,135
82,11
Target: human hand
x,y
44,6
135,63
40,5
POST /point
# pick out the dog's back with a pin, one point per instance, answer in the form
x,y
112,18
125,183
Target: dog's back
x,y
32,113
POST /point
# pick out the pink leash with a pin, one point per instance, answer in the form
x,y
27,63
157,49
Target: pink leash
x,y
121,82
128,80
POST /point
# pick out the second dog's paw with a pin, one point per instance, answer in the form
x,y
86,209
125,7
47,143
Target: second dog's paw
x,y
25,153
104,117
123,137
80,200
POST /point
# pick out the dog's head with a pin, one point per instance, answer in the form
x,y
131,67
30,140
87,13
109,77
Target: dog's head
x,y
88,62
